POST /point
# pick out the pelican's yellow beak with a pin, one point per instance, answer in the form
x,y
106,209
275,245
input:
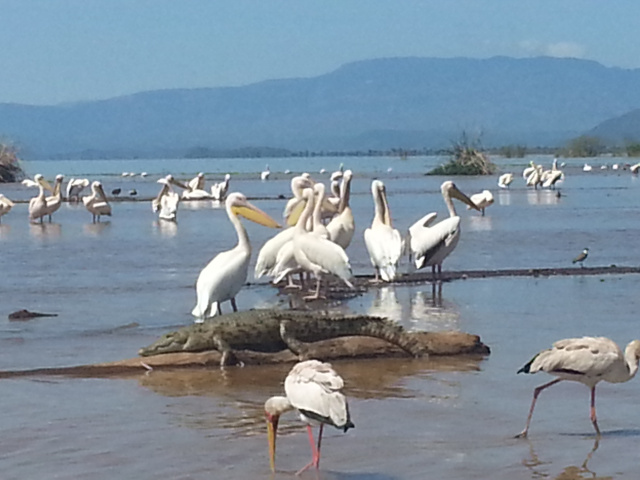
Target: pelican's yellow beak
x,y
272,430
45,184
463,198
253,213
296,211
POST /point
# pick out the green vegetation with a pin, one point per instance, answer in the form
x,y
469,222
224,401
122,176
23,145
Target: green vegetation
x,y
466,158
583,146
10,169
633,149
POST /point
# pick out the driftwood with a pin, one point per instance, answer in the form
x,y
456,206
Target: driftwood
x,y
436,343
27,315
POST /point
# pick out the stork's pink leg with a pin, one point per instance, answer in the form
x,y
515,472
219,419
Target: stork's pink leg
x,y
536,392
594,420
315,451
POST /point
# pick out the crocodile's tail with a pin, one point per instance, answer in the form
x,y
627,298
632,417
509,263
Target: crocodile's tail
x,y
390,331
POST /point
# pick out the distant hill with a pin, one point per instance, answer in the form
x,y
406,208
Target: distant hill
x,y
373,104
619,130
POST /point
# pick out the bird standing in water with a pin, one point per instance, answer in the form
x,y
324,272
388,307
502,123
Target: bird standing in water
x,y
582,257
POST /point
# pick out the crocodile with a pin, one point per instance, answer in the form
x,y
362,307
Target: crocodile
x,y
270,330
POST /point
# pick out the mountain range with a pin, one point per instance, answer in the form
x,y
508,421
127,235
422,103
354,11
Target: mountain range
x,y
373,104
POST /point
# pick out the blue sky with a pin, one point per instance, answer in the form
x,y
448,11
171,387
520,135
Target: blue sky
x,y
70,50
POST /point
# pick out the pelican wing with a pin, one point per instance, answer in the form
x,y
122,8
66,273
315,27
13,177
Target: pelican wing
x,y
430,245
330,257
267,256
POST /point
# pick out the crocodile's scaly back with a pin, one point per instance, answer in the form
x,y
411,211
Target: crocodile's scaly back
x,y
276,330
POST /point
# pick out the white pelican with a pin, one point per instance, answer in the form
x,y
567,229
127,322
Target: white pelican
x,y
586,360
225,274
529,170
316,254
55,199
383,242
342,226
167,200
482,200
582,257
535,177
219,190
197,182
298,184
635,168
267,256
430,245
5,206
97,202
38,204
314,389
74,187
505,180
264,175
587,168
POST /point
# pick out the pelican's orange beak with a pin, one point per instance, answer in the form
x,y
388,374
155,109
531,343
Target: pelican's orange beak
x,y
272,430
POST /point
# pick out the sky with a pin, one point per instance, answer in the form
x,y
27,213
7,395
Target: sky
x,y
60,51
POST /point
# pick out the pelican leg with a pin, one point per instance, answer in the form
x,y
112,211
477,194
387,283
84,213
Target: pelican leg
x,y
218,309
233,304
592,415
536,392
316,294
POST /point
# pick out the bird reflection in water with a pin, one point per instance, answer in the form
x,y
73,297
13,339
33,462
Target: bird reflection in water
x,y
4,230
541,197
45,230
478,223
572,472
95,229
166,228
385,304
504,197
430,312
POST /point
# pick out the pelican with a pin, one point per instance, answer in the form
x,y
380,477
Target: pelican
x,y
197,182
38,204
316,254
264,175
97,202
587,168
635,168
298,184
267,256
219,190
166,201
314,389
586,360
383,242
74,187
505,180
529,170
342,226
582,257
224,275
5,206
482,200
430,245
55,200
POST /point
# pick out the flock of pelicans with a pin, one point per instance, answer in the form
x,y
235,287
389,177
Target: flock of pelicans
x,y
320,227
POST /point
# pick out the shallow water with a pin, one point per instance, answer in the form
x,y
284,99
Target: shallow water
x,y
117,286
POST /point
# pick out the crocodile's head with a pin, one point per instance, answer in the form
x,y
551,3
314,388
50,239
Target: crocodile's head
x,y
170,342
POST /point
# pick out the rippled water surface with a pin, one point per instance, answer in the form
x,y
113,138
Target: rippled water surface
x,y
118,285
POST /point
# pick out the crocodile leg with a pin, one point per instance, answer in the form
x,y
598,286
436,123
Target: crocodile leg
x,y
228,357
288,337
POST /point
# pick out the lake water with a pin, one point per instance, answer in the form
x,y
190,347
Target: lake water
x,y
118,285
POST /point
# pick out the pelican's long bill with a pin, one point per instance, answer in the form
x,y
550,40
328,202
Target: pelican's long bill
x,y
456,193
45,184
253,213
272,430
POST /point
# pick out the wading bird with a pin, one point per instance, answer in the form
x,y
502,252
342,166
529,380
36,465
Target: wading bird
x,y
38,204
505,180
383,242
314,389
582,257
55,199
225,274
97,202
482,200
167,200
219,190
75,187
587,360
430,245
5,206
342,226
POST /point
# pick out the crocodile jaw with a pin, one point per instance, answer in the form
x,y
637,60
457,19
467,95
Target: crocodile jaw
x,y
171,342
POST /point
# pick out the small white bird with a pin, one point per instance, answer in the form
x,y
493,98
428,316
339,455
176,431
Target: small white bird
x,y
482,200
314,389
587,360
264,175
505,180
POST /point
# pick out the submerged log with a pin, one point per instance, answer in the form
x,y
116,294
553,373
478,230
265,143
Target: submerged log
x,y
436,343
